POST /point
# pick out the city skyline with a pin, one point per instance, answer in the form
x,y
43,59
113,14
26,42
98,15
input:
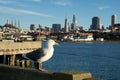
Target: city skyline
x,y
50,12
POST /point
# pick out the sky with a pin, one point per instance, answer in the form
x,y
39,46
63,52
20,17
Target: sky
x,y
48,12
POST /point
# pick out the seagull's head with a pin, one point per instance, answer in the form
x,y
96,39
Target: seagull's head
x,y
52,42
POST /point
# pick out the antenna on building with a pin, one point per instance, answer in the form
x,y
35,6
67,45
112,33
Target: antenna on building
x,y
7,21
11,22
39,29
18,23
15,23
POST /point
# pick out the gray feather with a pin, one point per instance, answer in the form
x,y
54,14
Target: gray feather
x,y
36,54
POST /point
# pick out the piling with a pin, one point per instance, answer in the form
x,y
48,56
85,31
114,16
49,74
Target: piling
x,y
1,59
17,62
28,64
12,60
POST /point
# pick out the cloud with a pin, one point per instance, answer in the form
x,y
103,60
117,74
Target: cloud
x,y
103,7
4,2
36,0
62,2
8,2
22,11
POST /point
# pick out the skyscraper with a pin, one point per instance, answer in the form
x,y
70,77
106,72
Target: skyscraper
x,y
66,24
113,20
95,23
74,22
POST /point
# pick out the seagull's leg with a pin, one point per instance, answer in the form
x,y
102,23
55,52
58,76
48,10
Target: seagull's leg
x,y
40,68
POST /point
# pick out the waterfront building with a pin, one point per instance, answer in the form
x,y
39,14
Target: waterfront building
x,y
101,27
47,29
116,28
80,28
95,23
56,28
66,25
40,27
32,27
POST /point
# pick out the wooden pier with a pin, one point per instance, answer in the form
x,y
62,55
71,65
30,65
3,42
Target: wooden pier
x,y
9,51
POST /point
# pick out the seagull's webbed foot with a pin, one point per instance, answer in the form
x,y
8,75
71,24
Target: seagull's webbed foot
x,y
41,69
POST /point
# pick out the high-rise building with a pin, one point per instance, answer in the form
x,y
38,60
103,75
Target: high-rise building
x,y
32,27
56,28
74,22
66,25
113,20
95,23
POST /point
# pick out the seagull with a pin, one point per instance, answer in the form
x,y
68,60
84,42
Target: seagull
x,y
43,54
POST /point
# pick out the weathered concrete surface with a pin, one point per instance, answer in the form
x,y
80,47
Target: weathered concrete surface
x,y
71,75
10,48
18,73
92,79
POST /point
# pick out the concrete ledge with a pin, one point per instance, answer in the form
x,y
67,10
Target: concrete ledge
x,y
92,79
18,73
71,75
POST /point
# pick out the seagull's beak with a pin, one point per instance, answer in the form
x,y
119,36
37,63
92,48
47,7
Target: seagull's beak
x,y
56,43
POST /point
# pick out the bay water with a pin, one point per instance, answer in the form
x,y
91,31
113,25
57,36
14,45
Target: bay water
x,y
102,59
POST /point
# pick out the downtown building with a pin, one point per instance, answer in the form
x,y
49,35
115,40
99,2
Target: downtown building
x,y
115,27
96,24
56,28
66,28
113,19
32,27
73,24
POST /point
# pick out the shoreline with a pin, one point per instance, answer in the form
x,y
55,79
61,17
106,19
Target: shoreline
x,y
92,41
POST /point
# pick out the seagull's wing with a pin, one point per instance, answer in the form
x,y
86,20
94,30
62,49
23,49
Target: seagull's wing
x,y
36,54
